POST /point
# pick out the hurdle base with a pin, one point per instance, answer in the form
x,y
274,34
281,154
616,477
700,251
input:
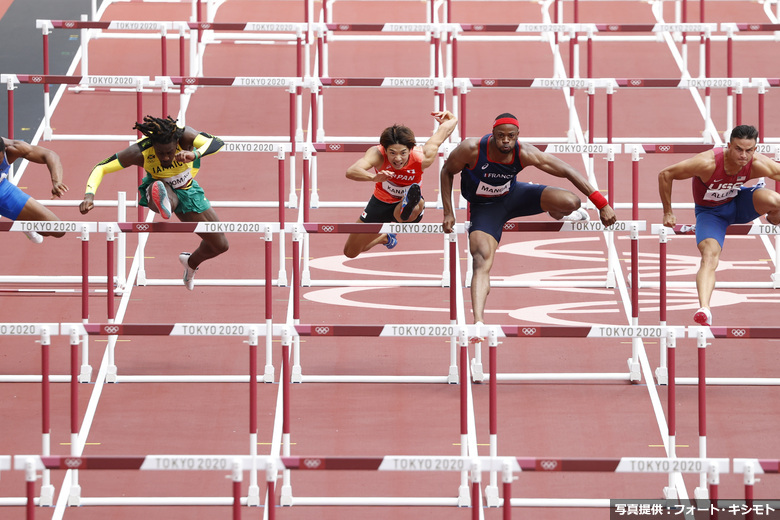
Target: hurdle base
x,y
253,496
296,375
635,373
701,493
140,278
74,499
477,374
491,496
111,374
662,376
85,376
286,498
775,281
47,496
268,375
670,493
452,377
464,496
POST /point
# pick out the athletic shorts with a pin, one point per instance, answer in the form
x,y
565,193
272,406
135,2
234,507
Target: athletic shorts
x,y
12,199
711,222
191,200
378,211
524,199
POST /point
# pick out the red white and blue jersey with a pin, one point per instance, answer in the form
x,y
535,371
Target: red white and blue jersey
x,y
393,190
721,187
488,180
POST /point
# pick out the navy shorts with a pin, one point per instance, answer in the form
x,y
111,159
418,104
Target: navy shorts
x,y
12,199
523,199
711,222
378,211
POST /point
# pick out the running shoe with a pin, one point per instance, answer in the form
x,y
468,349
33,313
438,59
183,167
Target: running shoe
x,y
577,214
160,198
34,237
189,272
411,199
703,317
392,241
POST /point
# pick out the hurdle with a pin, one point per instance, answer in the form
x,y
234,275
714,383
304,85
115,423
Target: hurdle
x,y
703,335
235,465
749,469
251,331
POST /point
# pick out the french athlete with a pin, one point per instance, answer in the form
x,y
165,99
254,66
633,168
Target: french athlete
x,y
488,168
16,204
397,164
721,199
171,155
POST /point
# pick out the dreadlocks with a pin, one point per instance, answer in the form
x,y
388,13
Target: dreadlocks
x,y
160,131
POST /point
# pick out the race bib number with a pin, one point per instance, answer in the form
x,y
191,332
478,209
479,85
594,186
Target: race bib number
x,y
721,194
395,190
180,180
488,190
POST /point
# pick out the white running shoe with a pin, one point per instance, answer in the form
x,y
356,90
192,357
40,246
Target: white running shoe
x,y
578,214
159,196
189,272
34,237
703,317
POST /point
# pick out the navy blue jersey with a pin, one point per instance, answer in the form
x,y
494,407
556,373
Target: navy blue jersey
x,y
488,180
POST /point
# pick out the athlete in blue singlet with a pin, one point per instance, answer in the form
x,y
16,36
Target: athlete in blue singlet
x,y
489,168
18,205
721,199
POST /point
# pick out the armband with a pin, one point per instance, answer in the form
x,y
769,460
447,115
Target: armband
x,y
598,199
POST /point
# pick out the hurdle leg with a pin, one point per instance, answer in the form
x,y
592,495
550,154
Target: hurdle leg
x,y
286,498
268,373
237,476
463,380
452,377
476,478
253,494
47,489
491,491
507,477
31,477
700,493
749,479
85,374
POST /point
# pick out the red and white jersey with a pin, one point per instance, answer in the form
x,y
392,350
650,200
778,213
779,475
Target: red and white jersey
x,y
393,190
721,187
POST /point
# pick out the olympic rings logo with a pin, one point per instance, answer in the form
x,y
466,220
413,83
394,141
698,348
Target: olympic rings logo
x,y
339,81
665,148
738,333
142,227
111,329
613,27
509,225
312,463
322,331
328,229
548,465
36,79
489,82
70,25
205,26
343,27
529,331
72,463
636,82
335,147
190,81
754,27
478,27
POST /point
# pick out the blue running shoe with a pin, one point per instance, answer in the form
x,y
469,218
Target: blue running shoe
x,y
410,201
391,241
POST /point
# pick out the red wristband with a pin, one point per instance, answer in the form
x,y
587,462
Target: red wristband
x,y
598,199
